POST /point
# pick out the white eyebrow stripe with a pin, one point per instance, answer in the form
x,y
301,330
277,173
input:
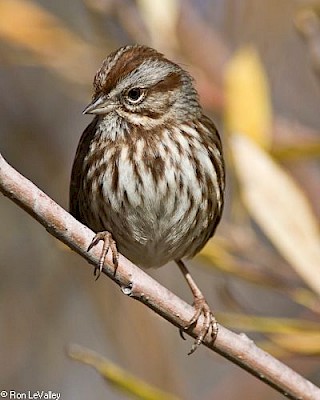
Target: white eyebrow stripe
x,y
147,74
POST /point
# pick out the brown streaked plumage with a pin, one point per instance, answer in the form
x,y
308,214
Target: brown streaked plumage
x,y
149,168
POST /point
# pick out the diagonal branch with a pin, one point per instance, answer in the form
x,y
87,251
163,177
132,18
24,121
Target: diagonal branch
x,y
137,284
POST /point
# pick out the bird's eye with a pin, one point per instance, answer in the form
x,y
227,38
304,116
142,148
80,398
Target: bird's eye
x,y
134,95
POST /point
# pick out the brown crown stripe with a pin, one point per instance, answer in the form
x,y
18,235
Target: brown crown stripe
x,y
127,62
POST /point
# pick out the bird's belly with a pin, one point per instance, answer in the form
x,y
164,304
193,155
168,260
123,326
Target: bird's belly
x,y
156,214
158,228
152,239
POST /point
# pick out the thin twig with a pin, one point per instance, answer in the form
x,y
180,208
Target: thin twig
x,y
135,283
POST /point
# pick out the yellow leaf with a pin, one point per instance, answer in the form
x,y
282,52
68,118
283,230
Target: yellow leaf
x,y
117,377
248,108
26,25
216,255
279,207
302,342
300,151
280,326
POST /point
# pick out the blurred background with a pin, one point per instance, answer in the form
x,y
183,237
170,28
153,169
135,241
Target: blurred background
x,y
257,67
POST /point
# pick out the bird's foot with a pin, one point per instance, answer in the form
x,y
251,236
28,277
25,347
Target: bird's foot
x,y
108,243
202,308
209,322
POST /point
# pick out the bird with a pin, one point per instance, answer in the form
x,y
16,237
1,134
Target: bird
x,y
148,176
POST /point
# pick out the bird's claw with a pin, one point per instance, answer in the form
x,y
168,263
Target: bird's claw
x,y
108,243
209,322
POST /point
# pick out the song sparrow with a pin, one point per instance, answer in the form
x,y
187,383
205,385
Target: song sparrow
x,y
149,168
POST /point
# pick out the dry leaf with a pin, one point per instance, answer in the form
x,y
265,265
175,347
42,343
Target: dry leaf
x,y
279,207
26,25
160,17
119,378
302,342
280,326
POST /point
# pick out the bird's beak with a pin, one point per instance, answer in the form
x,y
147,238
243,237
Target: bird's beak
x,y
99,105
